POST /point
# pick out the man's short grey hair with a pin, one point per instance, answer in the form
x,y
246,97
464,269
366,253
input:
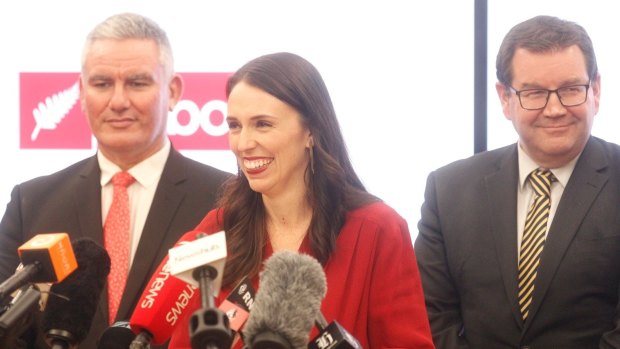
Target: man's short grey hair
x,y
132,26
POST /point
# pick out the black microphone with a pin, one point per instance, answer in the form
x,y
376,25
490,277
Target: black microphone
x,y
72,303
237,305
333,336
117,336
19,315
45,258
288,301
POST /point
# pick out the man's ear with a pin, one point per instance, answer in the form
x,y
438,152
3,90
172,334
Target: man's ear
x,y
504,94
176,90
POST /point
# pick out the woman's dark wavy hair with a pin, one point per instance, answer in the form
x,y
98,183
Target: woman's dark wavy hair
x,y
333,188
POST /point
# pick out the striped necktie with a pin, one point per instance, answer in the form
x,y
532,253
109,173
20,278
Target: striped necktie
x,y
534,235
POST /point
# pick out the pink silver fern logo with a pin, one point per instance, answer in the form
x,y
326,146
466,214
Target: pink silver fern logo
x,y
50,114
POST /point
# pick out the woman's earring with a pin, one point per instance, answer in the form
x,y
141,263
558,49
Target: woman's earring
x,y
311,152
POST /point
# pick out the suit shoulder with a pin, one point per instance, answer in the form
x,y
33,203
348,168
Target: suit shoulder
x,y
377,224
378,213
66,174
478,163
610,148
199,169
208,169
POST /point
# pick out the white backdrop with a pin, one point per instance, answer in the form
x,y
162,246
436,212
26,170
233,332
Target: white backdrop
x,y
400,74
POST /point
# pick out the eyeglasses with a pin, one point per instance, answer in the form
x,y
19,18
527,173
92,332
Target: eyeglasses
x,y
569,96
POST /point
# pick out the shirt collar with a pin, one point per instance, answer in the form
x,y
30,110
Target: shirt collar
x,y
145,172
527,165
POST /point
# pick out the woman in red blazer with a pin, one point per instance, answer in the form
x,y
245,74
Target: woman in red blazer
x,y
297,190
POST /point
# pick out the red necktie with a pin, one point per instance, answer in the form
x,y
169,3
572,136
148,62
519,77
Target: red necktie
x,y
116,239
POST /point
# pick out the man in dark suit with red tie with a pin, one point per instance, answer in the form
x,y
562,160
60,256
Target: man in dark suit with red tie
x,y
127,87
519,247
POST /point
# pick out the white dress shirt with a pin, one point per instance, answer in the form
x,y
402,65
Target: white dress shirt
x,y
147,174
525,192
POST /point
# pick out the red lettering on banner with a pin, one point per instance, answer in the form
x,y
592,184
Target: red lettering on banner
x,y
51,117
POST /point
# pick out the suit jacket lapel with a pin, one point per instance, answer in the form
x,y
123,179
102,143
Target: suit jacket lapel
x,y
89,217
584,185
89,209
165,203
501,191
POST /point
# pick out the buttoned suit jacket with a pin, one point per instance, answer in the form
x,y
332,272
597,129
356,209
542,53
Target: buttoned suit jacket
x,y
70,201
467,255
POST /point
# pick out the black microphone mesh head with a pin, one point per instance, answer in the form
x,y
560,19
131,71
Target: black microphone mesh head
x,y
117,336
72,303
288,301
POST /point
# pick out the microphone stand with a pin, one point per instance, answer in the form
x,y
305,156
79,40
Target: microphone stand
x,y
142,341
332,335
20,278
321,322
209,326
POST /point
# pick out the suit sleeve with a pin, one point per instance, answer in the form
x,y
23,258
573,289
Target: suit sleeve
x,y
10,236
611,339
27,336
441,295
